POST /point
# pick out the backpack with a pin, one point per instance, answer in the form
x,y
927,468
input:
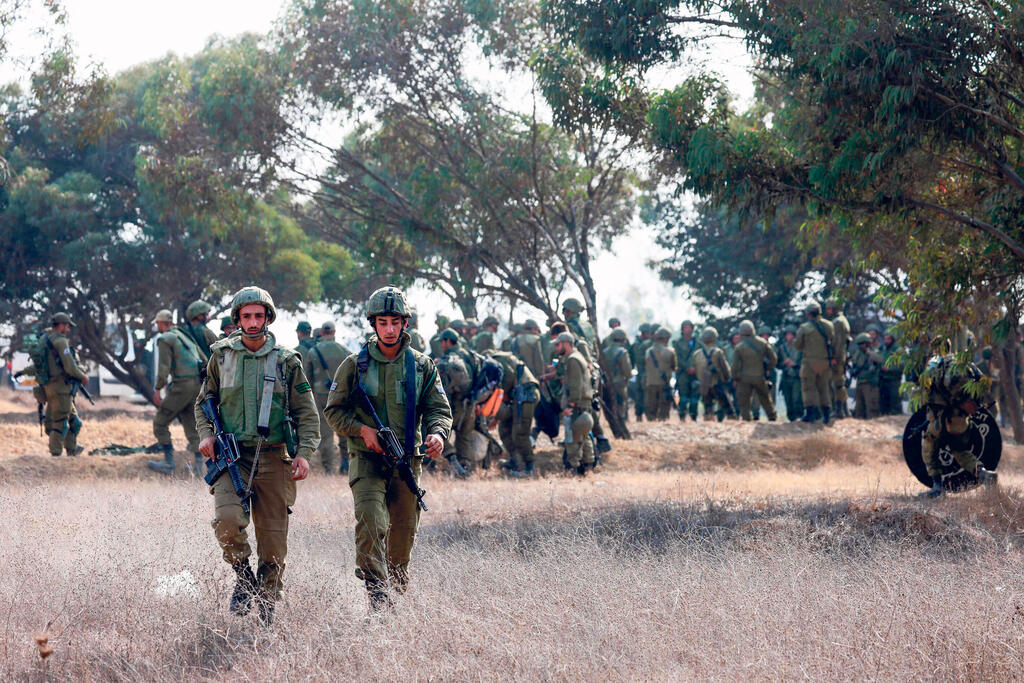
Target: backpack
x,y
489,374
38,355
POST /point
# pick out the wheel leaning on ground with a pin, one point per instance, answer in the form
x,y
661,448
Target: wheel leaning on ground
x,y
986,444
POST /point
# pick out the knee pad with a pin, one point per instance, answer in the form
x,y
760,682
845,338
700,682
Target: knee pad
x,y
75,425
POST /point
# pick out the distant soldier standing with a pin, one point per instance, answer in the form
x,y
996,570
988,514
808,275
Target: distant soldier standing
x,y
713,373
198,314
866,363
660,365
576,396
227,327
180,359
616,355
320,364
789,362
384,373
304,331
814,339
57,370
586,342
840,347
527,347
754,357
258,386
456,374
638,351
515,417
686,375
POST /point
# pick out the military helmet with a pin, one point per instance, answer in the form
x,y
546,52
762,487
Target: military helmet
x,y
414,319
304,326
198,308
734,332
531,324
663,333
813,307
746,328
441,320
789,328
831,303
491,320
516,328
862,338
389,300
225,322
873,327
645,328
457,324
59,318
449,335
472,324
709,334
327,328
613,322
565,337
764,329
572,305
163,316
251,295
618,335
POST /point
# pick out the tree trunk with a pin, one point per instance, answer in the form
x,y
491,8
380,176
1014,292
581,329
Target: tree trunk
x,y
129,373
1009,386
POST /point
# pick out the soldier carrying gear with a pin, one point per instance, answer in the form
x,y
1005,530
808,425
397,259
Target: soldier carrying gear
x,y
304,332
262,397
587,344
713,373
521,392
435,342
197,315
637,352
58,375
616,354
789,362
402,388
841,331
754,358
320,364
815,339
457,370
686,375
660,366
484,339
181,359
576,397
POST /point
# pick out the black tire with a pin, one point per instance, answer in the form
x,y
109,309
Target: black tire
x,y
986,444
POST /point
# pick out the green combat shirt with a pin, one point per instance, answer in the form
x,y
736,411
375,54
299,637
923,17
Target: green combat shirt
x,y
320,378
61,362
385,385
576,385
304,346
752,358
841,335
235,375
811,343
180,358
865,366
483,341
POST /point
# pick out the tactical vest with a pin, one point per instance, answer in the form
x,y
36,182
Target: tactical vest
x,y
242,375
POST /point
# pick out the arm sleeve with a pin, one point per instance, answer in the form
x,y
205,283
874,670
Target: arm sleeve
x,y
211,385
723,366
165,352
67,360
340,411
304,412
434,406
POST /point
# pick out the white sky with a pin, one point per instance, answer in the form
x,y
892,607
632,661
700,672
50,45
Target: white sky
x,y
117,34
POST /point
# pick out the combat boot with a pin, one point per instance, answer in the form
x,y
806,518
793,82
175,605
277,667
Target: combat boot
x,y
810,414
825,417
265,611
936,490
581,470
380,601
603,445
77,450
458,470
167,466
986,477
529,470
245,588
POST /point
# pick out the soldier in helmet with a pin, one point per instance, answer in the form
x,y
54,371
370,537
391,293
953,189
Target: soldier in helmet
x,y
57,376
528,348
616,355
576,396
660,366
456,370
260,391
586,340
866,363
460,329
304,331
181,359
754,357
418,344
515,417
470,330
713,375
484,339
198,314
789,363
383,375
638,351
435,342
841,343
816,341
320,364
686,375
227,327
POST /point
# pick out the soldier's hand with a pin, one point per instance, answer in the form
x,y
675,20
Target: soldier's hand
x,y
434,444
156,398
300,469
208,447
369,435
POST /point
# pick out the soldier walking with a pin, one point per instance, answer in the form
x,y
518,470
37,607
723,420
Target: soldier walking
x,y
181,359
840,350
320,364
385,374
816,342
638,351
457,372
198,314
789,385
260,391
576,396
304,331
57,372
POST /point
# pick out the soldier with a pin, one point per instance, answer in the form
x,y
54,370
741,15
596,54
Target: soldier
x,y
686,375
182,360
637,353
527,347
257,386
840,349
227,327
515,417
815,341
460,329
875,332
616,355
514,330
949,407
789,361
435,342
416,338
576,397
765,333
660,365
469,331
866,362
586,342
386,512
320,364
57,374
198,314
754,357
304,331
484,339
456,371
713,373
889,379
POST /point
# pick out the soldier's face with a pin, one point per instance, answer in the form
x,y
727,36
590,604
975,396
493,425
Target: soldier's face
x,y
389,328
62,328
687,330
162,326
564,348
790,337
252,318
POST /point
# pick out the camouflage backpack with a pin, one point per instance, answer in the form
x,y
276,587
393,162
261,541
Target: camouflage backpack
x,y
38,355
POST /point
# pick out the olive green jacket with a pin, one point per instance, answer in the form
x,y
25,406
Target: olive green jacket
x,y
180,358
235,374
752,357
865,366
385,386
811,343
577,388
659,365
320,378
483,341
61,363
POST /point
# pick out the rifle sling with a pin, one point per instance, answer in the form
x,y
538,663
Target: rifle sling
x,y
269,379
828,343
362,365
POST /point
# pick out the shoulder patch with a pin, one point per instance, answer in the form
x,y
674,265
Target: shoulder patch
x,y
303,388
67,350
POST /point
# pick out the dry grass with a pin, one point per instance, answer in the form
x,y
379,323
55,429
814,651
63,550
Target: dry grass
x,y
703,552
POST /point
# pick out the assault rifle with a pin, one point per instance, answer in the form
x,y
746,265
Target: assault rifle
x,y
77,387
41,416
394,455
226,454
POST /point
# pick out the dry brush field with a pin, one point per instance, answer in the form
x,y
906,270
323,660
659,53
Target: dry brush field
x,y
700,551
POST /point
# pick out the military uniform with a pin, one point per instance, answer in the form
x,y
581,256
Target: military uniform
x,y
815,340
320,365
240,380
196,329
841,345
789,384
686,377
515,417
484,339
456,370
61,419
306,341
638,353
182,360
713,372
386,512
527,347
866,363
753,358
660,365
586,338
576,396
617,357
